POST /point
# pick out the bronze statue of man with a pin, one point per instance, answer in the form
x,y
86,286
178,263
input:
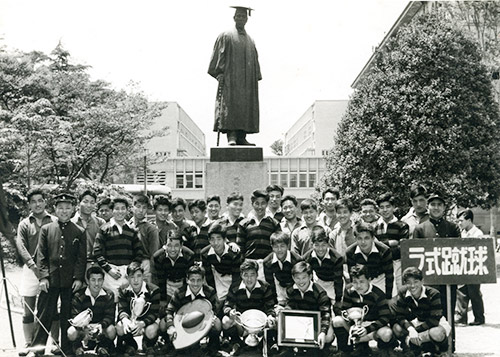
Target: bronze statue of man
x,y
235,65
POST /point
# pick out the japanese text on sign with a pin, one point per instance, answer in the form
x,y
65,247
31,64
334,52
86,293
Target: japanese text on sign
x,y
451,260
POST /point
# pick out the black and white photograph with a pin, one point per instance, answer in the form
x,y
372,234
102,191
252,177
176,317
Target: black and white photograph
x,y
249,178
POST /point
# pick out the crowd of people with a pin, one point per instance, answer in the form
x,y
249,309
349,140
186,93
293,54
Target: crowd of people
x,y
108,256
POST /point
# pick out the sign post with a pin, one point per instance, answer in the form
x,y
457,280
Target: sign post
x,y
451,261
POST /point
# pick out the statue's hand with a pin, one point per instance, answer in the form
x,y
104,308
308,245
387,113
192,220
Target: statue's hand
x,y
220,77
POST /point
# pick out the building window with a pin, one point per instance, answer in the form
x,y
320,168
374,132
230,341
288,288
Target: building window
x,y
284,180
198,181
312,180
162,153
179,181
274,179
293,180
302,180
325,152
189,180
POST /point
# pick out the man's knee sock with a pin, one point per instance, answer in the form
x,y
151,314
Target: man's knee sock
x,y
54,329
233,335
28,330
147,342
387,345
214,339
103,341
126,340
342,337
428,347
442,346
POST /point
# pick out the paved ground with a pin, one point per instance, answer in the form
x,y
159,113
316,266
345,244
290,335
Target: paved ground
x,y
471,341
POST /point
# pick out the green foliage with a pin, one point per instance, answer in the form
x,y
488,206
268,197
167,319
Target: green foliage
x,y
58,124
59,127
277,147
425,113
482,20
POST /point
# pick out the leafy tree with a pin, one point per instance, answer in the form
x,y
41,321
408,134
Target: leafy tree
x,y
425,113
277,147
482,20
71,126
57,125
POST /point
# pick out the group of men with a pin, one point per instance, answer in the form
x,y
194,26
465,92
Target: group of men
x,y
108,258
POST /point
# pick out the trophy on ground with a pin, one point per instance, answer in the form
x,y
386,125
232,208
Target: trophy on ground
x,y
354,315
254,322
82,321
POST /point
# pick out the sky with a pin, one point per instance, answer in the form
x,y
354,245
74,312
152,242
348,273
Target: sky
x,y
308,50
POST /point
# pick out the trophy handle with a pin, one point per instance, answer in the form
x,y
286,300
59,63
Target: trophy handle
x,y
344,315
91,314
365,310
147,306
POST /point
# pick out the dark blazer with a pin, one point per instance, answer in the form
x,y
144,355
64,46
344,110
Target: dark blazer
x,y
62,254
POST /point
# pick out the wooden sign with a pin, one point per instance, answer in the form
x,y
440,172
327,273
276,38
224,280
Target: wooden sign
x,y
451,260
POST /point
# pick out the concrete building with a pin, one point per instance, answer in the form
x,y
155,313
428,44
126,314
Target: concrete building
x,y
186,175
312,134
177,135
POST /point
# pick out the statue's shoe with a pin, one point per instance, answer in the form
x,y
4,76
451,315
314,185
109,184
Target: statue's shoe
x,y
244,142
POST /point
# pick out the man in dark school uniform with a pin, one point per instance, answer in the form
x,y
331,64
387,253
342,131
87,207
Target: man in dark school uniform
x,y
61,258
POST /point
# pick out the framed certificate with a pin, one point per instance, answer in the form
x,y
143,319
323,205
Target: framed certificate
x,y
299,328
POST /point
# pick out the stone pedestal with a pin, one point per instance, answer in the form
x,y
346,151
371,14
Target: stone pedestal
x,y
238,168
236,153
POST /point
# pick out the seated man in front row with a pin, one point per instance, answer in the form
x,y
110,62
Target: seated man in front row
x,y
250,294
144,323
102,304
375,323
420,321
195,289
307,295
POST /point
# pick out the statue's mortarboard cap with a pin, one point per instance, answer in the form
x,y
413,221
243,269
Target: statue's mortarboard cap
x,y
243,8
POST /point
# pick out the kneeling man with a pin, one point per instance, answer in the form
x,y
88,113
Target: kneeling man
x,y
195,289
251,293
136,323
420,321
307,295
375,323
101,329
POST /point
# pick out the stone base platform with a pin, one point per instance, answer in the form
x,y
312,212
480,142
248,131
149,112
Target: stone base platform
x,y
236,169
236,154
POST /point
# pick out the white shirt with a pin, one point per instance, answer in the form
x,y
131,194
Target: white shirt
x,y
93,299
384,224
288,258
309,288
211,251
373,250
249,293
474,232
193,296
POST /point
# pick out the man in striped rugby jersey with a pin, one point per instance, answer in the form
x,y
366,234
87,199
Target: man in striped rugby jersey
x,y
420,321
374,326
254,232
102,304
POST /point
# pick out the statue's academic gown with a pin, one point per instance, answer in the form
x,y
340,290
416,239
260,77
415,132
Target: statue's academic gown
x,y
235,56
